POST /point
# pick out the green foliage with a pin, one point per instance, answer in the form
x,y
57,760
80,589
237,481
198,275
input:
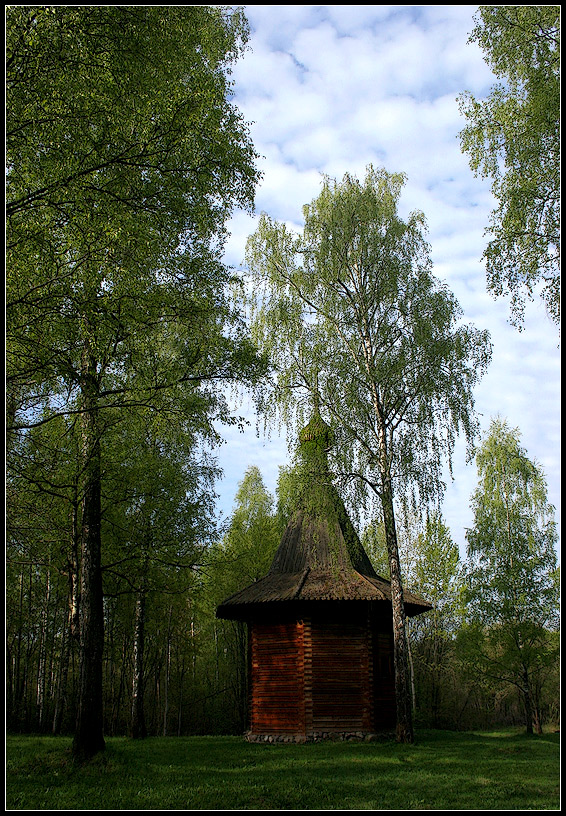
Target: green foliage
x,y
511,546
438,578
349,309
285,492
513,138
158,509
246,552
438,574
350,313
125,157
511,570
444,771
373,542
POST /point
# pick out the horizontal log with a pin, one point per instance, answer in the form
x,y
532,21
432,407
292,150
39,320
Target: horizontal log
x,y
327,676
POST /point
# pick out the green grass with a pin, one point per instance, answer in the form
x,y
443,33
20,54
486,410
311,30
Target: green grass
x,y
441,771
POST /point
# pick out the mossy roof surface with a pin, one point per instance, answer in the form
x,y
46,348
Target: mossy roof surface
x,y
320,557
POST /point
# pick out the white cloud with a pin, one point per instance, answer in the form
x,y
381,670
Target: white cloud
x,y
330,89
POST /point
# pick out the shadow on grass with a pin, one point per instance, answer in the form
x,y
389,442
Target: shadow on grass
x,y
442,770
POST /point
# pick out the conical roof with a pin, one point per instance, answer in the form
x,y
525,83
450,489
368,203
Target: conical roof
x,y
320,557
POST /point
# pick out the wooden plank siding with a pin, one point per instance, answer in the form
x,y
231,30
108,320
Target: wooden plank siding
x,y
307,675
320,676
385,714
277,678
341,678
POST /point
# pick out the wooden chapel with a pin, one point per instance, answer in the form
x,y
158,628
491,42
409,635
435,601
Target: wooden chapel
x,y
320,633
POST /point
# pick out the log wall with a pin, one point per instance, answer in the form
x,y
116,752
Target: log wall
x,y
277,678
314,676
385,714
341,677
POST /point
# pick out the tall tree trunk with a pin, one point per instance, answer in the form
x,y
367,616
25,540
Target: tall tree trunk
x,y
167,673
138,727
61,691
537,713
71,632
74,572
537,719
242,663
89,739
403,699
411,671
182,672
42,658
122,682
528,702
435,673
17,685
405,731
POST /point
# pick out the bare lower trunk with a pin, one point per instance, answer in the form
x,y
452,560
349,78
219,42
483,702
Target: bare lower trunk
x,y
400,646
72,630
537,714
41,686
61,694
528,703
241,672
17,689
89,738
411,671
180,707
138,727
167,674
74,574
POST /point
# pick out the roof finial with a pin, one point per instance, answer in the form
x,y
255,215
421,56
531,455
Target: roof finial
x,y
316,395
317,429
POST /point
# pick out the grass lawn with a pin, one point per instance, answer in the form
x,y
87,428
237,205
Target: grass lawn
x,y
503,770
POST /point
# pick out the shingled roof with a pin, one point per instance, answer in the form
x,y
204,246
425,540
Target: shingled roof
x,y
320,557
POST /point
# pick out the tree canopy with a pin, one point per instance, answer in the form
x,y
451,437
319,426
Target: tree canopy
x,y
354,319
511,572
513,138
125,156
350,311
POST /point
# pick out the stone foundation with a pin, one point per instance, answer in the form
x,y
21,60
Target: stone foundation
x,y
320,736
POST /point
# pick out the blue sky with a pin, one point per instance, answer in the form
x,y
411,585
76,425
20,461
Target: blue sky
x,y
331,89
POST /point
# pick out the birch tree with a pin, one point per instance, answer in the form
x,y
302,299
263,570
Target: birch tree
x,y
350,311
511,571
512,137
438,579
125,157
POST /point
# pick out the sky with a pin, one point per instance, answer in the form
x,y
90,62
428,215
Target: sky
x,y
328,90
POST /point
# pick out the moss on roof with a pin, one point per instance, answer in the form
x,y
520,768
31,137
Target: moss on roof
x,y
320,556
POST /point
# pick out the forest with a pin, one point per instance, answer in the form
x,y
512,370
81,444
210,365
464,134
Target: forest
x,y
127,334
